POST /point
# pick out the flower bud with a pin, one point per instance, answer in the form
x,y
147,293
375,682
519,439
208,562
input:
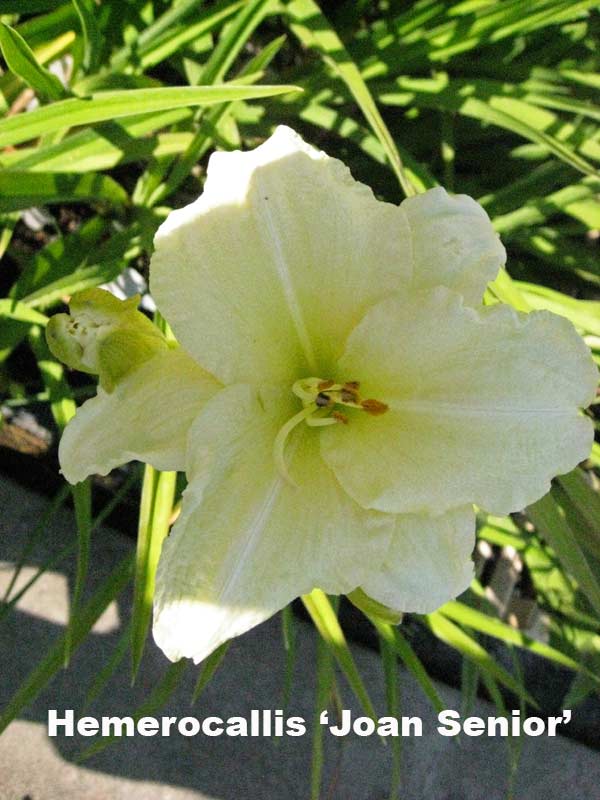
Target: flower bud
x,y
104,336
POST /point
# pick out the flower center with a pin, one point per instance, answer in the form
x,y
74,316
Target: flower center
x,y
322,401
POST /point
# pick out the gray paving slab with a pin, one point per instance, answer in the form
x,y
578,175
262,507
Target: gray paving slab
x,y
178,768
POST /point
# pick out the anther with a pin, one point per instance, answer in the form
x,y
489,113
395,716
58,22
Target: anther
x,y
374,407
323,400
319,399
340,417
348,395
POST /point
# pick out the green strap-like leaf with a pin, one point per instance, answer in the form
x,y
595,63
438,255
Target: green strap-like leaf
x,y
482,100
582,505
82,500
389,657
234,39
16,321
94,149
108,670
584,314
111,105
457,638
171,32
20,189
326,622
92,38
23,63
288,629
325,683
52,662
34,537
479,621
209,667
311,27
158,492
237,35
550,521
57,559
156,700
63,408
411,661
539,209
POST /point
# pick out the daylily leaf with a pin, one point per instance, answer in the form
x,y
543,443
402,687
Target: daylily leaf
x,y
453,635
326,622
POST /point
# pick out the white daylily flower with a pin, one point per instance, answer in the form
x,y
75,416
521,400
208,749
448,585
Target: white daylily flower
x,y
340,400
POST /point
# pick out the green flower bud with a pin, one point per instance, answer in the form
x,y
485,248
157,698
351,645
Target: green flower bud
x,y
104,336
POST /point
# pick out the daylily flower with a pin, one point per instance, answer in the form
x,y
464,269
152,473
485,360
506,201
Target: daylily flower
x,y
340,398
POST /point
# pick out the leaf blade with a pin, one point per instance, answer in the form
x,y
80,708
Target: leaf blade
x,y
102,106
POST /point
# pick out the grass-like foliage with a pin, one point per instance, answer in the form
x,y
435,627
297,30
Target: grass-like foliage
x,y
108,113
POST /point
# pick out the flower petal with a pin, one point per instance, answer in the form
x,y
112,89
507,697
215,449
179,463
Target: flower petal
x,y
482,406
428,563
247,541
146,417
265,275
454,244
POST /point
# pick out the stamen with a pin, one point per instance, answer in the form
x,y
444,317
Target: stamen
x,y
306,389
340,417
349,395
374,407
320,398
322,422
281,438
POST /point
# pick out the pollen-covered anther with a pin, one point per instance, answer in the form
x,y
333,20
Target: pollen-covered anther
x,y
374,407
327,394
340,417
320,399
348,395
323,400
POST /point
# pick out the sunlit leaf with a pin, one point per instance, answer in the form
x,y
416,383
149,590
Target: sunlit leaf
x,y
111,105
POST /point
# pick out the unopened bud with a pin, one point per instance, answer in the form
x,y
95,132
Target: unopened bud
x,y
104,336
